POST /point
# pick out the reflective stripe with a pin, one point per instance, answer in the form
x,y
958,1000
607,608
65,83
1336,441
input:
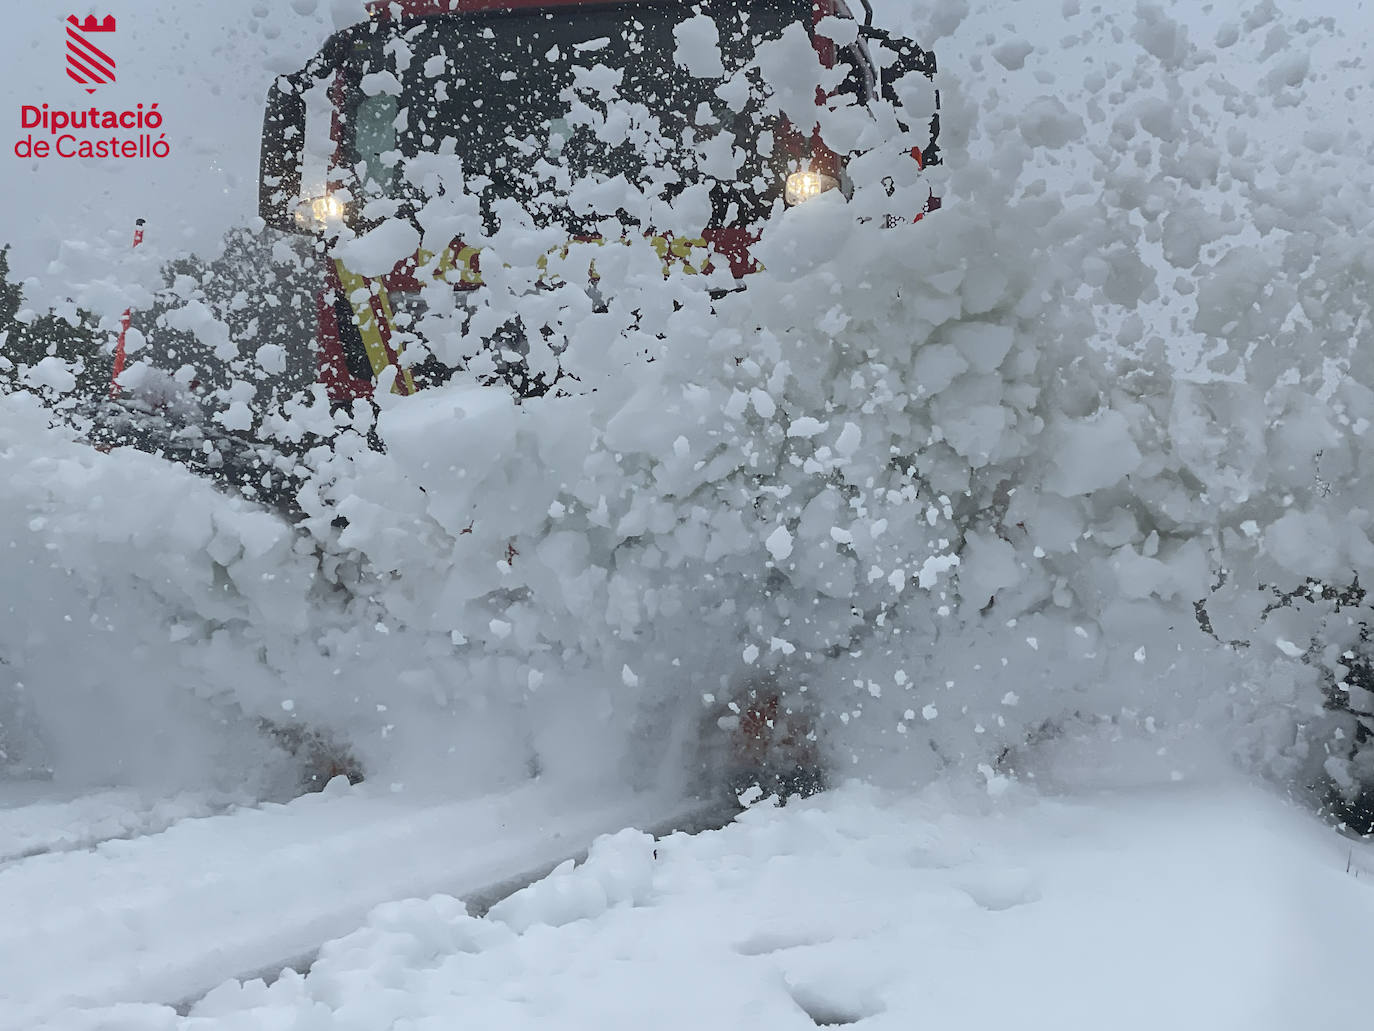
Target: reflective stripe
x,y
462,262
679,248
462,265
372,310
371,304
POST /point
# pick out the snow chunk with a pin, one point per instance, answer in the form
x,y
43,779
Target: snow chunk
x,y
779,544
1289,648
1091,454
1046,122
806,427
1338,769
134,341
989,565
983,344
619,871
937,366
1161,36
849,440
271,359
790,65
698,47
1313,544
237,417
51,372
1012,54
997,784
377,83
376,253
840,31
1290,70
762,402
932,567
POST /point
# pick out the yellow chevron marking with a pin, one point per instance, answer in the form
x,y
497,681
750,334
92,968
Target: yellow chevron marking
x,y
458,265
359,290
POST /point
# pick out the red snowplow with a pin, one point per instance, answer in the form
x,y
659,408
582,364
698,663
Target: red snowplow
x,y
482,79
491,83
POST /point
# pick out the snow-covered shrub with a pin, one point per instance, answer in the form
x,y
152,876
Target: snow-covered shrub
x,y
55,353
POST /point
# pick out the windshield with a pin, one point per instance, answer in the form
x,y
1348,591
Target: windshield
x,y
522,99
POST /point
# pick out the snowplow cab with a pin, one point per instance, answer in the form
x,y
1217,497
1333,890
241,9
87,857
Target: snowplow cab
x,y
491,82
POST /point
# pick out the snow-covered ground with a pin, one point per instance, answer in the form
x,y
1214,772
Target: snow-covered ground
x,y
166,916
1212,906
36,819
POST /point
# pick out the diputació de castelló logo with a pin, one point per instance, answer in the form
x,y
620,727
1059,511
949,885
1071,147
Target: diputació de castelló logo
x,y
69,132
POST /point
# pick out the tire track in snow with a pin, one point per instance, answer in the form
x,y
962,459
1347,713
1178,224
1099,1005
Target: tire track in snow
x,y
166,917
703,817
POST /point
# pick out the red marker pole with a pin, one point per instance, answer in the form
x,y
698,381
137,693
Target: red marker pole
x,y
119,355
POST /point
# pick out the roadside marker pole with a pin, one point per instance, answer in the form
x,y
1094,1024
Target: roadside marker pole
x,y
119,355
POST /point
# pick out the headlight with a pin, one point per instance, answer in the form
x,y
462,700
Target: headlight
x,y
802,186
318,213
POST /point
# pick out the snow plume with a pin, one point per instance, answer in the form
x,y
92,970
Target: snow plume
x,y
153,624
957,487
125,580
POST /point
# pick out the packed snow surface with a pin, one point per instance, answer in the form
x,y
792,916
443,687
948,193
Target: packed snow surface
x,y
34,822
1210,906
168,915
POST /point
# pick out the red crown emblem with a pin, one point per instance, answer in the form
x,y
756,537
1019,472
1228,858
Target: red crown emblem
x,y
87,63
91,25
